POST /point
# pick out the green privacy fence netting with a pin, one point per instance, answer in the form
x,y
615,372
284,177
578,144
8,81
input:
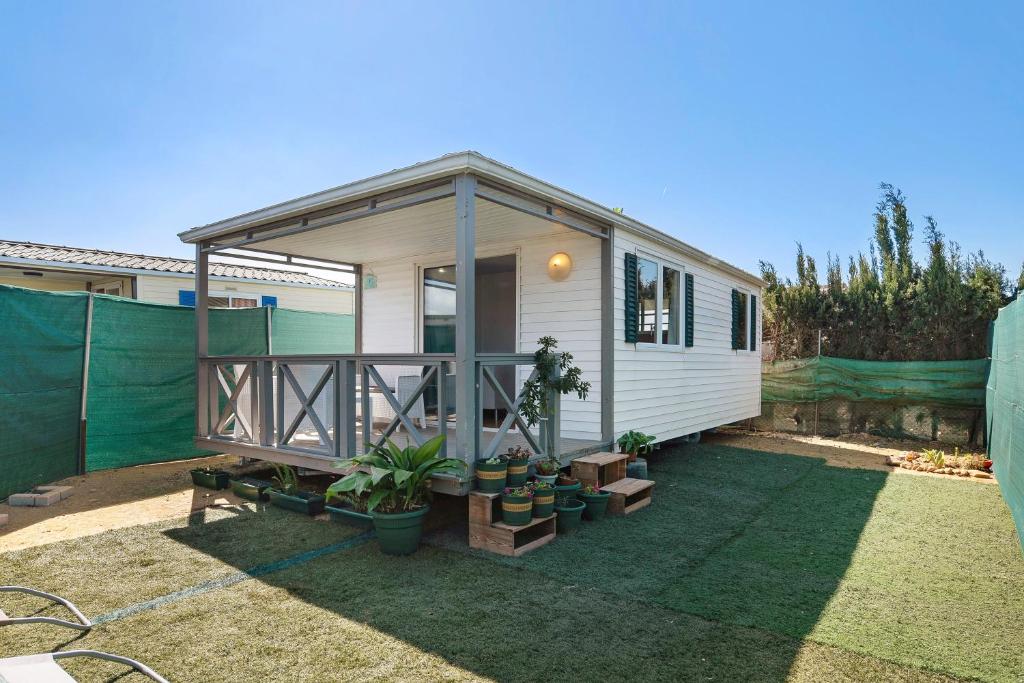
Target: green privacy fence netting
x,y
40,386
944,383
1005,407
141,395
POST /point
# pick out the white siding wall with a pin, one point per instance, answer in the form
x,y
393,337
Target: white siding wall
x,y
164,290
675,393
569,310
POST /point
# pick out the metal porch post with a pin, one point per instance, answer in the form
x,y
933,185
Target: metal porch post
x,y
608,337
202,342
357,307
467,432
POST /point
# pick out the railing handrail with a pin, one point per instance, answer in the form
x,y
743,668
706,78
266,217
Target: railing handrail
x,y
382,358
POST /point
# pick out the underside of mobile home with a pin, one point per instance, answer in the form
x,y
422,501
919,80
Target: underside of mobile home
x,y
461,264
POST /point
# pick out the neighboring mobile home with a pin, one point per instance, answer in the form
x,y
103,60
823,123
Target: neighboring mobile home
x,y
461,264
164,280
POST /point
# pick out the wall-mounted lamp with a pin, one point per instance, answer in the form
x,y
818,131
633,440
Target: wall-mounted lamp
x,y
559,266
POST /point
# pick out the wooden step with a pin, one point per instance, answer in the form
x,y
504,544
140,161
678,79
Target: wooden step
x,y
628,495
512,541
600,469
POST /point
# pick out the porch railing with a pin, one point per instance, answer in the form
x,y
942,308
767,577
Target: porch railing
x,y
339,406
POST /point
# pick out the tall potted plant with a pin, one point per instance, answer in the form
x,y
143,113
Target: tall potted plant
x,y
518,466
556,374
398,483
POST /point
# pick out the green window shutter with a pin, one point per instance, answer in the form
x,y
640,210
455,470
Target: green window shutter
x,y
753,322
689,310
632,304
735,319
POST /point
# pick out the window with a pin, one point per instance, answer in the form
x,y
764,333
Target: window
x,y
659,297
741,331
233,301
744,321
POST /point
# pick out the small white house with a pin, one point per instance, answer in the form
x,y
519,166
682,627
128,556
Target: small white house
x,y
165,280
461,264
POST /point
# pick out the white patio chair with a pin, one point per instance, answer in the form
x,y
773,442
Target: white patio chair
x,y
43,668
83,623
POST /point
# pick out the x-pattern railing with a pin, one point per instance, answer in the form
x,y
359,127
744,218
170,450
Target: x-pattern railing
x,y
512,414
373,382
228,379
306,409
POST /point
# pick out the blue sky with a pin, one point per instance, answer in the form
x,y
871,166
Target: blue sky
x,y
740,128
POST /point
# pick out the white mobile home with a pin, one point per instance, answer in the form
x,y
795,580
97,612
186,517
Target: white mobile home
x,y
461,264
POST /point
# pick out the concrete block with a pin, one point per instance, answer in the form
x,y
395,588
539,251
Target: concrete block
x,y
46,499
3,520
65,491
22,500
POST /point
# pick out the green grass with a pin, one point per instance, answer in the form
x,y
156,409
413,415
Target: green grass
x,y
771,567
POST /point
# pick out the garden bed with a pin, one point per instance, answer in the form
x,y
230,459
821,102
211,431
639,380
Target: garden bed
x,y
966,465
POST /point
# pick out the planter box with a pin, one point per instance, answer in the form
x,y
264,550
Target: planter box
x,y
345,515
303,501
216,479
250,489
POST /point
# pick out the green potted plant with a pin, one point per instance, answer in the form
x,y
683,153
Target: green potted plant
x,y
565,489
547,471
210,478
556,374
518,466
543,499
491,473
285,492
349,508
517,505
250,488
569,515
397,482
634,443
596,501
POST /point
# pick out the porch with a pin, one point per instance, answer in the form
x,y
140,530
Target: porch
x,y
460,265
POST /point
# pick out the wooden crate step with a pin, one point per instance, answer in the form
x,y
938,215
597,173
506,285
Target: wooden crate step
x,y
512,541
628,495
600,469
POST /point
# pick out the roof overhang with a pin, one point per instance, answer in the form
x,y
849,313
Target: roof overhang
x,y
445,167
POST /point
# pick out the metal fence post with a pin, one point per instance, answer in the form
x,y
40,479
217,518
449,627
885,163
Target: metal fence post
x,y
86,353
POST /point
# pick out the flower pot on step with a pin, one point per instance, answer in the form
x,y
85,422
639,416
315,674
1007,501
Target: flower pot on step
x,y
543,502
490,477
346,515
547,478
250,489
210,479
518,472
597,505
566,493
516,510
569,516
399,533
301,501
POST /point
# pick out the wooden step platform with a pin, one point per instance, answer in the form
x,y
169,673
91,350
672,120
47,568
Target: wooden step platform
x,y
628,495
600,469
487,532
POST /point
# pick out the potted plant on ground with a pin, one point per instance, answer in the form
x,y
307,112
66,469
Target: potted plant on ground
x,y
397,482
565,489
285,492
491,473
596,501
569,514
543,499
547,471
517,505
556,375
349,508
210,478
518,466
634,443
250,489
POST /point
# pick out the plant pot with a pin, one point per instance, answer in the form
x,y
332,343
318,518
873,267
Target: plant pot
x,y
215,479
543,503
346,515
546,478
632,456
516,510
597,504
490,478
566,493
399,533
518,472
302,501
569,516
250,489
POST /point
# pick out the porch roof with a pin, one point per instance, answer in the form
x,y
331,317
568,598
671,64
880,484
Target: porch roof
x,y
436,170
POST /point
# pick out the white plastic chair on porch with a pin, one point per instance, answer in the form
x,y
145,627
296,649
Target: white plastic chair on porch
x,y
402,381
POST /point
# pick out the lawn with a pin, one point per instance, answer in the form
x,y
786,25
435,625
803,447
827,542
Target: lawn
x,y
749,566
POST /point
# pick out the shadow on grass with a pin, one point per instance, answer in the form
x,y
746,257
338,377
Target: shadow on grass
x,y
721,577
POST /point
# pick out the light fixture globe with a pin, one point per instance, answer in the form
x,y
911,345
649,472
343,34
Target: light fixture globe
x,y
559,266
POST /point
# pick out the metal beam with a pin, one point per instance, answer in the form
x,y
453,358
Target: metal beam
x,y
608,337
538,209
357,309
202,341
86,353
347,269
467,432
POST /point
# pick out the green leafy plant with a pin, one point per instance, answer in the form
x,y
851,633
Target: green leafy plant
x,y
526,491
286,479
555,374
636,442
349,499
540,486
548,468
517,453
591,489
935,457
496,460
396,479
